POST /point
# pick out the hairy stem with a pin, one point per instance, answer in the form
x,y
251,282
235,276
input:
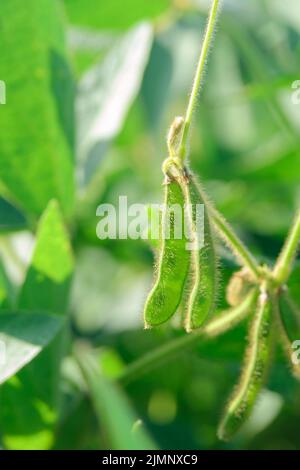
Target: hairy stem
x,y
287,256
234,243
198,77
220,324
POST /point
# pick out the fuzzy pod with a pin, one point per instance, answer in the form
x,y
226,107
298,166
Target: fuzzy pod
x,y
202,281
152,233
253,374
173,261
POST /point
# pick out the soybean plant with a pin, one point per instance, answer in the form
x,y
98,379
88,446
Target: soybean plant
x,y
188,277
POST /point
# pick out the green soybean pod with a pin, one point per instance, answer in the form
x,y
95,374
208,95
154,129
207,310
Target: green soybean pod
x,y
203,274
256,364
164,298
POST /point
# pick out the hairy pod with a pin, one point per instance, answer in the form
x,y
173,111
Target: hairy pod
x,y
152,232
202,281
173,261
256,364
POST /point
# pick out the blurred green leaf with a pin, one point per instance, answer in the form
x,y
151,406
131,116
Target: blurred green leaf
x,y
115,294
79,429
156,84
113,411
27,414
290,315
22,337
31,398
113,14
47,282
105,94
7,291
10,217
293,283
89,46
37,120
35,398
244,147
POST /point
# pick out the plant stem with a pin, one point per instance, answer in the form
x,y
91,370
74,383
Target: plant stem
x,y
223,227
234,243
287,256
220,324
198,77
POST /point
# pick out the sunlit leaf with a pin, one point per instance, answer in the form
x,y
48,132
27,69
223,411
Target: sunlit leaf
x,y
115,306
22,337
112,408
48,278
88,46
113,14
106,93
37,120
10,217
32,396
7,289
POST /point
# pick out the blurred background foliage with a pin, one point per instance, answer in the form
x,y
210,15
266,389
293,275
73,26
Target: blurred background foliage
x,y
91,89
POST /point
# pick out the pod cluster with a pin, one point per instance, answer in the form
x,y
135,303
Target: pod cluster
x,y
186,271
256,363
187,277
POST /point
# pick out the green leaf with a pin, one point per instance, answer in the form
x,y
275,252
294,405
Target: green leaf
x,y
156,87
27,414
113,411
113,14
47,282
78,429
88,46
106,93
290,315
37,121
22,337
293,284
7,291
11,218
32,397
112,305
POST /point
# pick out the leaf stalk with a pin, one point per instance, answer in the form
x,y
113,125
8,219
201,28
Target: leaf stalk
x,y
208,37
